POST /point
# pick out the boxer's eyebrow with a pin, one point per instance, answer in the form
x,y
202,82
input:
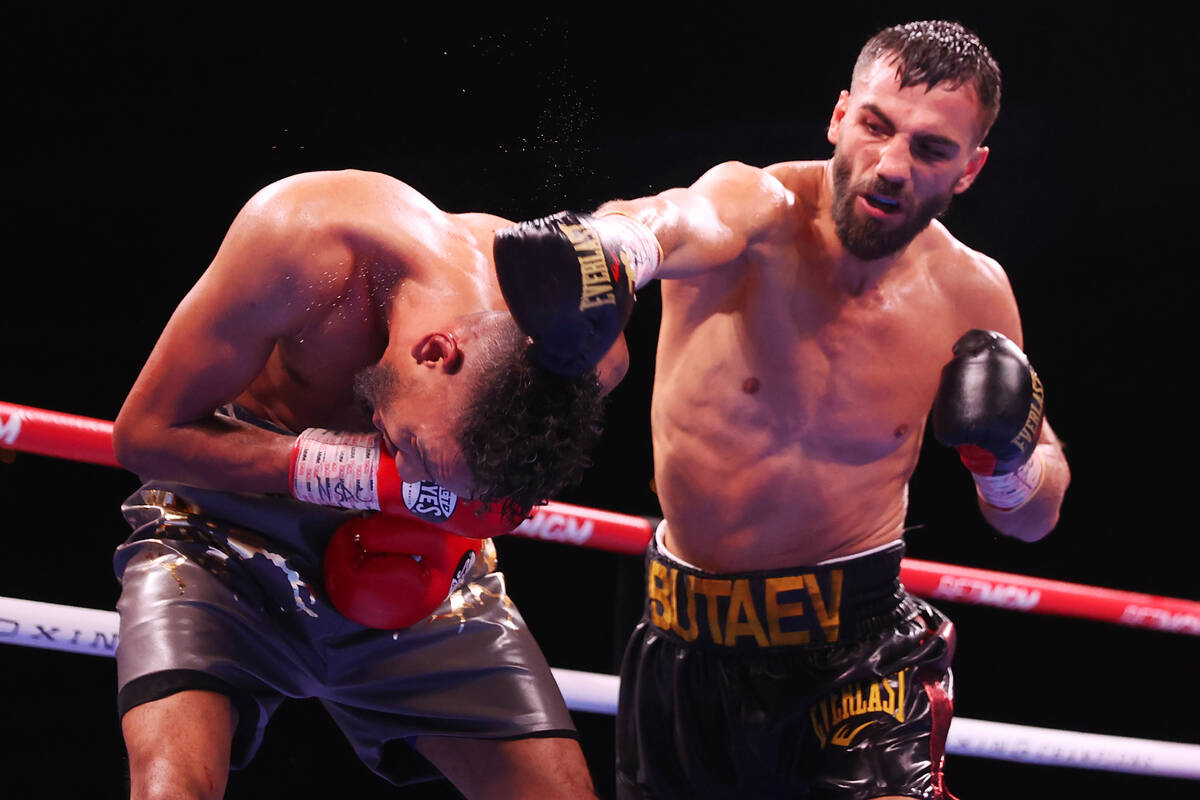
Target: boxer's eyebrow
x,y
878,112
927,139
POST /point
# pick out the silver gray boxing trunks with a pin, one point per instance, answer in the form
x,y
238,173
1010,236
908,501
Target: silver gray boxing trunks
x,y
222,592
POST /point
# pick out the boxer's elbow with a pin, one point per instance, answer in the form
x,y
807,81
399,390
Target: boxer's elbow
x,y
1040,514
1032,531
1031,522
136,443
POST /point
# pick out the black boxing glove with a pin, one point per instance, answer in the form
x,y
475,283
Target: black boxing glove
x,y
989,406
569,279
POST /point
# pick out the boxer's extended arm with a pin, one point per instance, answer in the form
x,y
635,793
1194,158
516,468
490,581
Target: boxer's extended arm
x,y
711,223
569,278
264,284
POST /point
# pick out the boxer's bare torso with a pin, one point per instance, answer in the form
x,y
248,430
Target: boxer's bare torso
x,y
379,254
321,275
317,274
792,387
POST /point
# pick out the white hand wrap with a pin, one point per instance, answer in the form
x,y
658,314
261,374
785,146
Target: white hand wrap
x,y
1010,492
642,252
334,468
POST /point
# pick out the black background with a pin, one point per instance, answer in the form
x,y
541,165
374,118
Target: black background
x,y
135,135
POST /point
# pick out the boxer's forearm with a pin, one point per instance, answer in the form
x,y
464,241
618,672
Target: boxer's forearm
x,y
711,223
214,453
692,236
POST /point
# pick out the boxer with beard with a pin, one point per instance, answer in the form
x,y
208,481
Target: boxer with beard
x,y
333,423
813,315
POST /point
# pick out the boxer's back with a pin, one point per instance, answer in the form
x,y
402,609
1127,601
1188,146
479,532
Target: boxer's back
x,y
374,249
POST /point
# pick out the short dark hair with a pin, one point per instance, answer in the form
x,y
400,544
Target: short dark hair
x,y
936,52
527,432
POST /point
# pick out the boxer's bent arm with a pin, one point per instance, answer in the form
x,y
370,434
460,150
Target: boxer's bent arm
x,y
264,284
985,298
1038,515
714,221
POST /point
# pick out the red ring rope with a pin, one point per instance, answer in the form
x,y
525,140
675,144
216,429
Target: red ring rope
x,y
67,436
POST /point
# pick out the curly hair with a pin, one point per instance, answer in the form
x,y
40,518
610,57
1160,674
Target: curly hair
x,y
935,52
527,433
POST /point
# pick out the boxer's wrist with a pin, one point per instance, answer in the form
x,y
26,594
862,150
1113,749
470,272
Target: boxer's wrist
x,y
335,468
1012,490
645,251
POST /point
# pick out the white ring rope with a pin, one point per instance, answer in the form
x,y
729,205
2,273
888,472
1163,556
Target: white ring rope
x,y
85,630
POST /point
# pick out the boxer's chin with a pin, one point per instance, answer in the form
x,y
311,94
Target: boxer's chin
x,y
870,239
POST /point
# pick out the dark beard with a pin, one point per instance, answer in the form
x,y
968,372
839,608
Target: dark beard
x,y
375,384
865,237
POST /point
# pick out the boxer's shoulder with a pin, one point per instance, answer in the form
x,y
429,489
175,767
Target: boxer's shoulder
x,y
319,229
803,181
952,263
343,202
772,185
804,177
972,282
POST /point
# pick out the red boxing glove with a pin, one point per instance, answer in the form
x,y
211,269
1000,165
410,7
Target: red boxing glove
x,y
350,470
391,572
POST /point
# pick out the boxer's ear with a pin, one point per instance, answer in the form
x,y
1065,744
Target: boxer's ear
x,y
973,167
835,119
439,350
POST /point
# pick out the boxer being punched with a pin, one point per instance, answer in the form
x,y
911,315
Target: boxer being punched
x,y
813,315
313,424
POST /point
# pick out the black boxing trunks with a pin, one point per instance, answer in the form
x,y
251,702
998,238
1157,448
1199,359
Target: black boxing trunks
x,y
223,592
823,682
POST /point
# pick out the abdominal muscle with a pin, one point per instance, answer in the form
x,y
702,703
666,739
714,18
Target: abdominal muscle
x,y
732,511
767,459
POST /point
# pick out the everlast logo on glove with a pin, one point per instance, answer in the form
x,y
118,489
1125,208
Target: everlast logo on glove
x,y
567,286
1027,438
593,266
